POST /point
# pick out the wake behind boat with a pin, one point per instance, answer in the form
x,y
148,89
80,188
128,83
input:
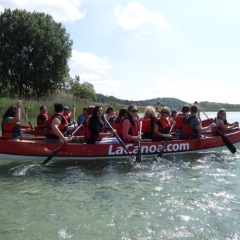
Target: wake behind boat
x,y
35,148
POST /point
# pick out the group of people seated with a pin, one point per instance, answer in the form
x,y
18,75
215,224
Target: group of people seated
x,y
93,124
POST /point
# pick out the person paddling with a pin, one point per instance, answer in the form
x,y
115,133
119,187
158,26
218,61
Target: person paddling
x,y
130,125
222,124
11,128
57,125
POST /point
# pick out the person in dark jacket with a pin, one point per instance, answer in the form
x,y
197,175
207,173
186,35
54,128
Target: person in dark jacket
x,y
96,126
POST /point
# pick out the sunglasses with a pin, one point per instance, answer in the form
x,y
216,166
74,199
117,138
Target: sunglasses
x,y
164,112
134,111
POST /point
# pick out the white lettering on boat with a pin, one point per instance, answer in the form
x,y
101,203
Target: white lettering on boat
x,y
146,149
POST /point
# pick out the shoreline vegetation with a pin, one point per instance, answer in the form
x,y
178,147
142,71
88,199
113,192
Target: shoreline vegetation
x,y
32,106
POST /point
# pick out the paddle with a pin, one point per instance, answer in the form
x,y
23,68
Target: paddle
x,y
57,149
164,144
26,117
74,116
226,141
139,153
119,139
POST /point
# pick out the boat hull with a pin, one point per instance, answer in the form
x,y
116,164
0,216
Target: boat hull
x,y
35,148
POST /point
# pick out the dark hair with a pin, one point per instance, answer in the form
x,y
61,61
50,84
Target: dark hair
x,y
194,108
185,109
84,109
110,108
90,110
10,112
131,106
222,110
58,107
94,114
122,114
41,108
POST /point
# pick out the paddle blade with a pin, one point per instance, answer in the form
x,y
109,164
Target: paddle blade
x,y
139,156
160,153
52,154
229,145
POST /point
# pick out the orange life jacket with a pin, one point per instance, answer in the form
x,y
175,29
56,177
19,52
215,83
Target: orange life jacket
x,y
164,127
133,130
118,127
62,127
148,127
68,118
187,130
178,121
40,123
10,130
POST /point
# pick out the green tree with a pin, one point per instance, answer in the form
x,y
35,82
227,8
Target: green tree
x,y
80,91
34,53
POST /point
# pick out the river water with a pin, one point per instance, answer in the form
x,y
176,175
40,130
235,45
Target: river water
x,y
188,196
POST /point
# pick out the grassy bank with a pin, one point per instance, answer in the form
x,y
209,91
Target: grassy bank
x,y
32,107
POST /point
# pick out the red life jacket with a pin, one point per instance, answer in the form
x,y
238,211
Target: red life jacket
x,y
68,118
178,121
87,131
40,123
148,127
164,127
11,130
62,127
133,130
118,127
187,130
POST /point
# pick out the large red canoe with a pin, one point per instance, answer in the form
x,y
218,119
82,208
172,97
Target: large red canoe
x,y
35,148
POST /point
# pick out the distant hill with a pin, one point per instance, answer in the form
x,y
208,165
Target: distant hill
x,y
172,103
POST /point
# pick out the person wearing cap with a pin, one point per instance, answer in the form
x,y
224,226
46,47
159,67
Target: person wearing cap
x,y
82,117
173,116
68,114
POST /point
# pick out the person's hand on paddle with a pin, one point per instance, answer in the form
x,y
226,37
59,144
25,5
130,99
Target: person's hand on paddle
x,y
139,137
65,139
236,124
212,125
168,135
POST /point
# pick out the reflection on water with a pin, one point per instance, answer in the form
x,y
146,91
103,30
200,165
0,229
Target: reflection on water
x,y
193,196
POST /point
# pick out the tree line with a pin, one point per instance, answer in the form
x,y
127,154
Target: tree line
x,y
34,54
172,103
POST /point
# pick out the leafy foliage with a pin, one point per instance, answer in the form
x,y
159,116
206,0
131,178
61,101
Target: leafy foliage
x,y
34,52
80,91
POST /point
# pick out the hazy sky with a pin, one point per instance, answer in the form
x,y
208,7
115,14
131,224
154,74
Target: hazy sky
x,y
137,50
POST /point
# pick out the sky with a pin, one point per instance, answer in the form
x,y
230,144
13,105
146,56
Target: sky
x,y
146,49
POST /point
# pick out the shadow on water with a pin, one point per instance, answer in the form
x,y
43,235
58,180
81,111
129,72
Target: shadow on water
x,y
64,168
99,168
